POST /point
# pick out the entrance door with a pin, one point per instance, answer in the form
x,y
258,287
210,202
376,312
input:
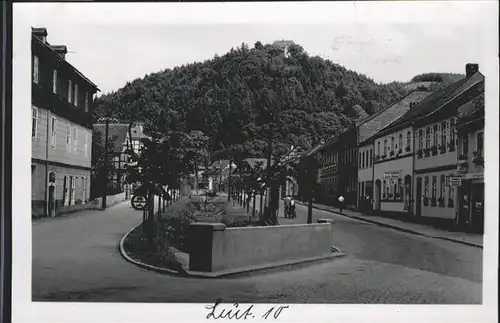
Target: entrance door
x,y
464,209
52,201
477,216
418,197
378,195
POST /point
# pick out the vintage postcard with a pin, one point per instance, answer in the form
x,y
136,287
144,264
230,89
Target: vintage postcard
x,y
329,162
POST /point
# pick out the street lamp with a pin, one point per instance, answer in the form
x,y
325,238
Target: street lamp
x,y
106,119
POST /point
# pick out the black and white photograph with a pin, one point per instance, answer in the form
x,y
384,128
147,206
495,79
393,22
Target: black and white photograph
x,y
250,160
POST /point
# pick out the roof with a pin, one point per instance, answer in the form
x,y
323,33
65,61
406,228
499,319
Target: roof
x,y
434,101
137,132
117,133
37,31
378,121
252,162
220,164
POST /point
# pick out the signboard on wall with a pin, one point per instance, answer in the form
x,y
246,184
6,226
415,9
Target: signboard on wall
x,y
391,174
454,181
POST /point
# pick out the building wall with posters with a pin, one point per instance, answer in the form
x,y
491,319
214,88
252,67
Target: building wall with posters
x,y
393,172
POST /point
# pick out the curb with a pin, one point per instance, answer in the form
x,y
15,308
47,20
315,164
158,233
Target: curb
x,y
256,269
398,228
193,274
140,263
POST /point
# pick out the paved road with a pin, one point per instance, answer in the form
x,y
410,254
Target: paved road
x,y
77,259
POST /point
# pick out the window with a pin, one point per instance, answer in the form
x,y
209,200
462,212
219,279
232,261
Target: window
x,y
443,135
367,160
400,143
442,191
75,139
86,102
360,161
392,143
84,189
436,134
399,194
33,179
54,82
86,143
465,145
408,140
70,93
385,147
66,191
36,69
68,138
364,159
420,139
434,186
378,148
53,127
479,143
72,193
75,102
371,157
452,132
426,187
34,122
428,138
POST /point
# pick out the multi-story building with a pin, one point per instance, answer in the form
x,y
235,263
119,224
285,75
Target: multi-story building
x,y
470,133
415,154
121,136
339,172
61,131
436,157
367,131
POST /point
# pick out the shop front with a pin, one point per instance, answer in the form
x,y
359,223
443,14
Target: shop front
x,y
471,202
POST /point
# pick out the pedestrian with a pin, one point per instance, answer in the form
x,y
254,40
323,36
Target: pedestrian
x,y
287,206
292,208
341,201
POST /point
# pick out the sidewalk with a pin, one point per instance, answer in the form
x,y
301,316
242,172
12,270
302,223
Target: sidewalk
x,y
470,239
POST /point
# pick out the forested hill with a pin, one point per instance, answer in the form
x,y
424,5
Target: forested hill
x,y
228,98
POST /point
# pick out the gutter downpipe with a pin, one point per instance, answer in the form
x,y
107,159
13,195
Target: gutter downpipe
x,y
47,166
413,179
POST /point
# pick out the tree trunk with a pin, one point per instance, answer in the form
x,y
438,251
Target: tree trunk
x,y
151,218
310,208
253,211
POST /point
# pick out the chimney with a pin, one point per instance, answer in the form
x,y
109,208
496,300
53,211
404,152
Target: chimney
x,y
471,69
40,33
61,50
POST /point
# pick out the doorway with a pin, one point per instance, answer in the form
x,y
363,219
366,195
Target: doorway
x,y
378,194
52,201
418,197
477,214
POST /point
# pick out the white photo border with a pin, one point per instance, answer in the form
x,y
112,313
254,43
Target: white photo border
x,y
484,13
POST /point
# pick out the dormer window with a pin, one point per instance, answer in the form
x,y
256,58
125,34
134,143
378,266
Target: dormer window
x,y
70,92
36,69
75,101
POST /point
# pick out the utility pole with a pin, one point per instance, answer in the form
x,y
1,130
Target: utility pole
x,y
105,193
229,181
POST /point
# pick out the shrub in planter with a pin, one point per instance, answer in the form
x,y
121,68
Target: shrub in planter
x,y
408,148
419,153
450,202
434,150
391,153
451,146
426,201
462,157
427,152
377,157
442,149
383,156
478,159
400,151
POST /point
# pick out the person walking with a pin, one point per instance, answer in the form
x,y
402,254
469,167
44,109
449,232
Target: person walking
x,y
341,202
286,201
292,208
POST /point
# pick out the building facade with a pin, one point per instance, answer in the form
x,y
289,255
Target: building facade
x,y
470,133
367,131
438,150
393,171
61,131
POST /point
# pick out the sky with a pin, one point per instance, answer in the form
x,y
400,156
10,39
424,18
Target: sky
x,y
129,45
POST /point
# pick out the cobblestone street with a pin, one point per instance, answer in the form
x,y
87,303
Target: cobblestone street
x,y
76,258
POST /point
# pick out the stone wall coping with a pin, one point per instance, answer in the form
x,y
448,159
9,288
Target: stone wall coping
x,y
209,225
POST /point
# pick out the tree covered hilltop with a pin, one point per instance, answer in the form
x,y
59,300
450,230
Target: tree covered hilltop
x,y
230,99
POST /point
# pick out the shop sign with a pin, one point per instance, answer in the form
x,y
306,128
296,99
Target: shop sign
x,y
454,181
391,174
474,176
